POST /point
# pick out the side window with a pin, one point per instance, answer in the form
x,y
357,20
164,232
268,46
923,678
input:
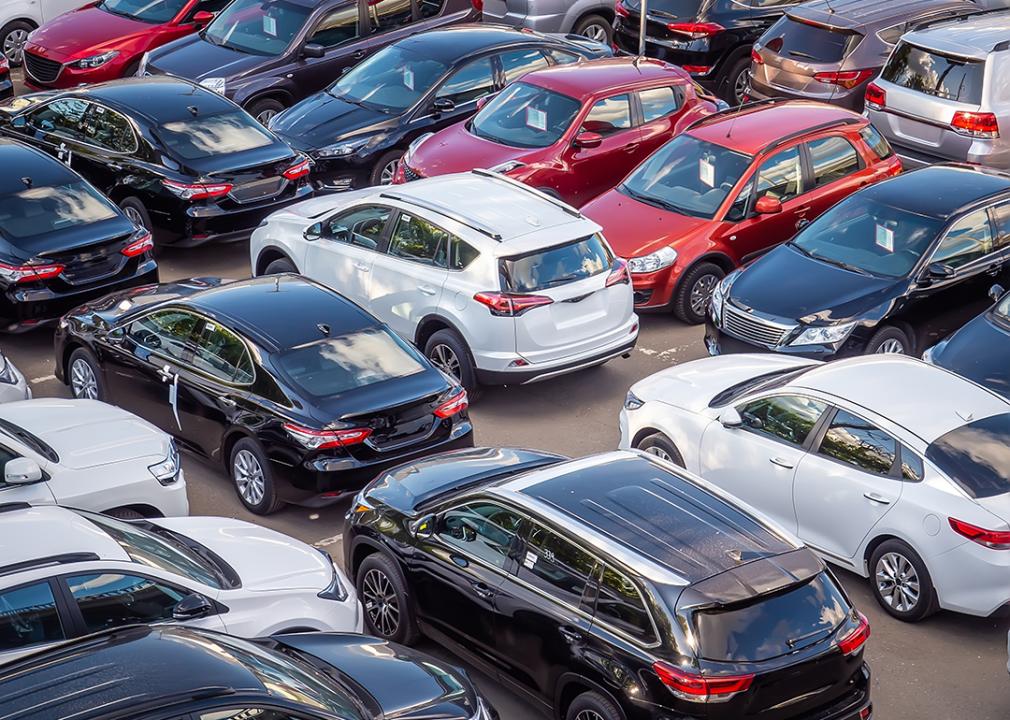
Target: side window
x,y
833,158
786,417
110,130
620,604
780,176
1001,221
609,115
219,352
108,600
891,35
430,8
560,57
968,239
876,142
519,62
5,457
912,467
338,27
556,566
462,255
854,441
469,83
166,331
482,529
389,14
62,117
738,210
245,713
211,6
361,226
28,616
659,102
420,241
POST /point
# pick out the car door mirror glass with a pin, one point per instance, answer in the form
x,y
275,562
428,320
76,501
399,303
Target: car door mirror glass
x,y
22,471
19,121
730,418
996,292
939,271
202,17
313,50
587,140
443,105
767,205
313,232
192,607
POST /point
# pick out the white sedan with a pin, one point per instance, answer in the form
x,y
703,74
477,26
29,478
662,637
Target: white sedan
x,y
886,466
13,385
86,454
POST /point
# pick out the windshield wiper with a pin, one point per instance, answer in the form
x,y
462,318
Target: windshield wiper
x,y
842,264
659,202
800,53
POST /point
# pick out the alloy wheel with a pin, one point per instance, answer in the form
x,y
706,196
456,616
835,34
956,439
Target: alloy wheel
x,y
595,32
659,452
701,293
740,87
249,478
380,602
589,715
264,117
83,382
897,582
14,44
389,172
134,215
891,346
446,361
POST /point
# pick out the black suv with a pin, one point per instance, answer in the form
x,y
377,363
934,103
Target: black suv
x,y
610,587
711,39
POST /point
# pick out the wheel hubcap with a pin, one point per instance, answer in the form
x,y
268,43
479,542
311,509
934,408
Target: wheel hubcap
x,y
740,87
134,215
249,477
446,361
659,452
265,116
14,45
82,380
595,32
891,347
588,715
897,582
380,602
389,172
701,293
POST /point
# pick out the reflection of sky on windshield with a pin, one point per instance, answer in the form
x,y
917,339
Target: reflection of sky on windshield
x,y
37,210
224,133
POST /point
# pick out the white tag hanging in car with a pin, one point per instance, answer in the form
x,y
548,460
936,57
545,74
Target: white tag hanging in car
x,y
408,78
173,399
536,119
885,238
270,26
531,560
706,172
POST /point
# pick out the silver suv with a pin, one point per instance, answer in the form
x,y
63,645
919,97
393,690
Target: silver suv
x,y
944,93
592,18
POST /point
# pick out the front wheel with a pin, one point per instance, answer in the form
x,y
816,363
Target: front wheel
x,y
385,170
84,375
264,110
694,292
253,479
383,593
889,340
280,265
901,582
662,447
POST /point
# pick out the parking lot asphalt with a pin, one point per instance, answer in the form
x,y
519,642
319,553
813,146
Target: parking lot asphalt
x,y
950,667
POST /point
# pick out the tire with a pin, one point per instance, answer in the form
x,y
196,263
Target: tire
x,y
84,375
385,168
12,39
263,110
124,514
593,705
131,70
253,478
595,27
890,339
383,592
135,210
449,353
280,265
893,557
733,83
661,446
690,301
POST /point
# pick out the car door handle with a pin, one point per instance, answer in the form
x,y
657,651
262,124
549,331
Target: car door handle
x,y
633,147
782,462
427,289
227,402
483,591
360,54
570,634
875,497
362,267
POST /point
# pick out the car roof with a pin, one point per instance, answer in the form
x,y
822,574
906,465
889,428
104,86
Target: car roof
x,y
458,41
863,14
754,127
939,191
158,99
29,533
925,400
972,36
596,77
21,161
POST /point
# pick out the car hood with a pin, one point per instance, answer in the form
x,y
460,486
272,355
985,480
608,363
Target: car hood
x,y
404,683
87,433
322,119
83,32
456,149
785,283
978,351
194,58
264,559
634,229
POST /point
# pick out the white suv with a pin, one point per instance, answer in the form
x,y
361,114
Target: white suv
x,y
496,282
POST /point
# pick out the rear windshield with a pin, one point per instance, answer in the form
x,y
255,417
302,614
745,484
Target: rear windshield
x,y
976,456
336,365
40,210
772,626
526,116
802,41
200,137
557,266
679,8
933,73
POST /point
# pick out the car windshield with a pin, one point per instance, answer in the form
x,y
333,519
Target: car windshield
x,y
761,383
933,73
258,27
976,456
390,81
37,211
149,11
36,444
526,116
221,134
545,269
336,365
687,176
868,237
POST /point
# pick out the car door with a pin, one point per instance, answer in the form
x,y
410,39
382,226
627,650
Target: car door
x,y
336,30
756,461
662,110
340,250
611,122
108,146
30,618
846,484
836,171
36,492
58,128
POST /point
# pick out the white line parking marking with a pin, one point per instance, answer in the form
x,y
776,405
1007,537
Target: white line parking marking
x,y
326,542
44,378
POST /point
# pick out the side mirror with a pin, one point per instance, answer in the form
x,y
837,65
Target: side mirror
x,y
587,140
313,50
767,205
443,105
313,232
22,471
730,418
425,527
484,100
19,122
938,271
192,607
996,292
203,17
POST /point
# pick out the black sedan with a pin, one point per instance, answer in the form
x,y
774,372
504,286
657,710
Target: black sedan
x,y
157,673
180,160
891,268
359,128
299,392
61,242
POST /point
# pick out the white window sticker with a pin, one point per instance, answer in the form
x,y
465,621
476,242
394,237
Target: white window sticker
x,y
536,119
706,172
99,109
270,26
531,559
885,238
408,78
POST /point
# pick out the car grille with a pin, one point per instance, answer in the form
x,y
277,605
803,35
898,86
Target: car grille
x,y
410,174
257,190
753,329
42,69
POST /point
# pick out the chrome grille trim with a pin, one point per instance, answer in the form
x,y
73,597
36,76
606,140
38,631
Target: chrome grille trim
x,y
41,69
753,329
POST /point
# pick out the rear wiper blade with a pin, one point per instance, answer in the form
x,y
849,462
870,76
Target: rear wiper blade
x,y
800,53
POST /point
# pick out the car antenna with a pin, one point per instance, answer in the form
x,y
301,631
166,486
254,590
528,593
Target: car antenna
x,y
28,182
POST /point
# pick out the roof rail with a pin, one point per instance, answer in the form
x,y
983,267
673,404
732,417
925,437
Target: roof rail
x,y
816,128
12,506
446,211
731,110
955,18
491,174
61,559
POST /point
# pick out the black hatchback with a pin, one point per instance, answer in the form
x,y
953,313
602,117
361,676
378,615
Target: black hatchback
x,y
613,587
61,242
182,161
301,394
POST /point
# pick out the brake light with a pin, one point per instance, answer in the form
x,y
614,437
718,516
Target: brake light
x,y
876,97
4,65
29,273
298,170
691,685
138,247
697,69
196,191
975,124
456,404
756,58
621,10
993,539
855,638
696,30
508,305
847,79
478,5
322,439
619,275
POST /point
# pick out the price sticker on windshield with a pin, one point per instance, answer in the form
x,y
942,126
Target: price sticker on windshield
x,y
536,119
408,78
270,26
531,559
885,238
706,172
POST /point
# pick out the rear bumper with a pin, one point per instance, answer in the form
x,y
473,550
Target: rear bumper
x,y
950,147
972,579
545,371
850,99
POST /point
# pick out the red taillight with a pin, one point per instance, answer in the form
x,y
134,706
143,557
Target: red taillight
x,y
697,69
756,58
322,439
478,5
621,10
456,404
138,247
975,124
847,79
4,65
299,170
28,273
197,191
619,273
508,305
994,539
855,638
876,98
696,30
690,685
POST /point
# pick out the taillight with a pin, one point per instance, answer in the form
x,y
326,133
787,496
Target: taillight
x,y
138,247
322,439
693,686
621,10
619,273
4,65
993,539
756,58
478,5
697,69
298,170
196,191
456,404
696,30
855,638
29,273
509,305
876,98
847,79
975,124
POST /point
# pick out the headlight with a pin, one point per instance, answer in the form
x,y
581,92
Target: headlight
x,y
95,60
142,68
335,590
342,149
167,471
217,84
664,257
7,374
824,334
509,166
720,293
632,401
412,148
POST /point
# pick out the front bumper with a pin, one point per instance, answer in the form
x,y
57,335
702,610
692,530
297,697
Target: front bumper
x,y
654,291
17,390
544,371
718,342
329,176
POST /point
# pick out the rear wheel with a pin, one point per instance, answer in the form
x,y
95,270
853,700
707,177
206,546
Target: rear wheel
x,y
84,375
383,593
662,447
280,265
901,582
593,706
265,109
134,209
13,37
448,352
595,27
890,340
735,81
695,290
254,481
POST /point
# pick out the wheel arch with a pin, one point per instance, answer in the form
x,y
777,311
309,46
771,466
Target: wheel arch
x,y
280,94
431,324
720,259
361,548
231,436
267,255
148,511
569,686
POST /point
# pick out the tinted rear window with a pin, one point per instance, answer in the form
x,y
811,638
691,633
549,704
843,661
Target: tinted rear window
x,y
40,210
976,456
221,134
933,73
802,41
772,626
556,266
679,8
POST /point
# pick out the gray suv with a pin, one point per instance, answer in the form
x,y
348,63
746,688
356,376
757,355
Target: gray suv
x,y
592,18
943,94
829,50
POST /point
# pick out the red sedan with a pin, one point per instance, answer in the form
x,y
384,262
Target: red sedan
x,y
572,131
106,40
